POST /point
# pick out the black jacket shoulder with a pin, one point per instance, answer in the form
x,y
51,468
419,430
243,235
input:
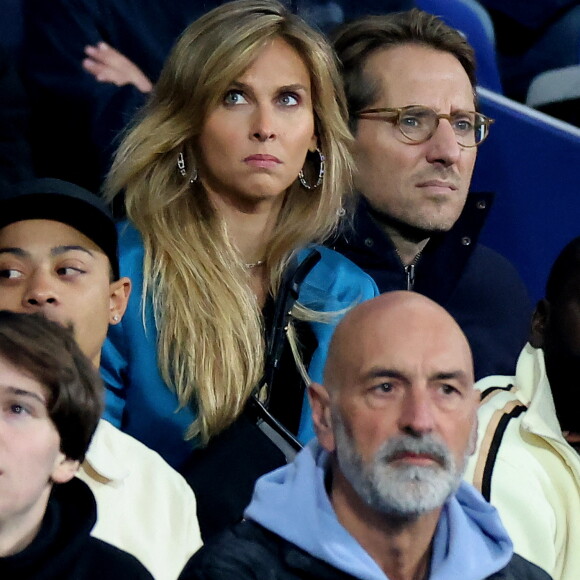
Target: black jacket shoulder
x,y
250,552
520,569
480,288
101,560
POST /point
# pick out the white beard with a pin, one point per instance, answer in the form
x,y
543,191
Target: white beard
x,y
402,491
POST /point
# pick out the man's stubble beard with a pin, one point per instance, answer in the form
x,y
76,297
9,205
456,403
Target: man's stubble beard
x,y
412,228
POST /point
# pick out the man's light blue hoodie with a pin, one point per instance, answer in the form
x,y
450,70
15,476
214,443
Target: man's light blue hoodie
x,y
470,542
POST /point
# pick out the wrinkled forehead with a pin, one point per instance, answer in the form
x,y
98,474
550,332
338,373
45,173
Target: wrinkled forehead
x,y
414,339
415,74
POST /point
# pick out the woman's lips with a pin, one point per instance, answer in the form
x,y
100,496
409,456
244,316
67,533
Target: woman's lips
x,y
262,161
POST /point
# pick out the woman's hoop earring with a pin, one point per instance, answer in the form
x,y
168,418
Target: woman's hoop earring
x,y
182,170
302,179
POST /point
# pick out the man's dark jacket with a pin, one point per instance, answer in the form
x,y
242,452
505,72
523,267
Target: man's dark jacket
x,y
250,552
476,285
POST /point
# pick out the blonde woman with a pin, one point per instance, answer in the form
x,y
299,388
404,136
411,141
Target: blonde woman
x,y
237,166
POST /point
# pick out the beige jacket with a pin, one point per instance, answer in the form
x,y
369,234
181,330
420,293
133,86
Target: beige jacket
x,y
143,505
535,479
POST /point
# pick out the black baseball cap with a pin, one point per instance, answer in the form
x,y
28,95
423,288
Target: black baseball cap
x,y
53,199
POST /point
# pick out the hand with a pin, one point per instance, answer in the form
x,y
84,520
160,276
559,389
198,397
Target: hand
x,y
108,65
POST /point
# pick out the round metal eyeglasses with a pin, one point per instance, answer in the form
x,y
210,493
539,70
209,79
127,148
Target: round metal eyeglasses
x,y
418,123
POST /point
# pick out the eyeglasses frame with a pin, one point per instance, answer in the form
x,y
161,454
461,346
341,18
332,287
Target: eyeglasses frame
x,y
396,117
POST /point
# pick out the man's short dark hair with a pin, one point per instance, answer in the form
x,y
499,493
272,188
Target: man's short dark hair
x,y
48,353
565,268
357,40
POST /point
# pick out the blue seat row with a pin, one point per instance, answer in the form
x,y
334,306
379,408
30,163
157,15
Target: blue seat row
x,y
532,162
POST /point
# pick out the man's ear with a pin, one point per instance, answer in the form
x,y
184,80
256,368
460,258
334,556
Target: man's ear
x,y
64,469
540,319
321,415
472,445
119,292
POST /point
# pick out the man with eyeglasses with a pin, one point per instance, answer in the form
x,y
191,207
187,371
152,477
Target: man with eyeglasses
x,y
410,84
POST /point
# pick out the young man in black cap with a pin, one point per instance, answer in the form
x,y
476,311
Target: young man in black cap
x,y
58,257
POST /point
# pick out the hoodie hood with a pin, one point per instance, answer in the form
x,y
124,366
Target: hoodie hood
x,y
292,502
62,539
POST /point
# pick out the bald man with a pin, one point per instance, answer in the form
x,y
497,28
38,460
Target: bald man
x,y
379,494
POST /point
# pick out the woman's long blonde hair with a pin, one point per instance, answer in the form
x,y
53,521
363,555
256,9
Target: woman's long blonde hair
x,y
211,340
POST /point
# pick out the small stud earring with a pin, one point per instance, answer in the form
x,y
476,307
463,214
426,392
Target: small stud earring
x,y
116,318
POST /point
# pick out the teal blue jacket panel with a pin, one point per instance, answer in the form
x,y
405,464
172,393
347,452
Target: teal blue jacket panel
x,y
140,403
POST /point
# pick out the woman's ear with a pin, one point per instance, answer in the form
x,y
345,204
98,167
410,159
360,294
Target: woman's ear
x,y
313,144
540,320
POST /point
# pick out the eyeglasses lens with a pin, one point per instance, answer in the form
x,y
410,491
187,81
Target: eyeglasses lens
x,y
420,123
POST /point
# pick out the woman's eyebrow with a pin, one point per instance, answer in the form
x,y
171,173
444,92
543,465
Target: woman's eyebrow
x,y
294,87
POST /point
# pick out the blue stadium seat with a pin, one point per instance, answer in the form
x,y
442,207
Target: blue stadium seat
x,y
532,162
557,93
472,19
11,25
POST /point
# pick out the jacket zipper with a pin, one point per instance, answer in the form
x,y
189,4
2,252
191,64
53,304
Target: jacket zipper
x,y
410,270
